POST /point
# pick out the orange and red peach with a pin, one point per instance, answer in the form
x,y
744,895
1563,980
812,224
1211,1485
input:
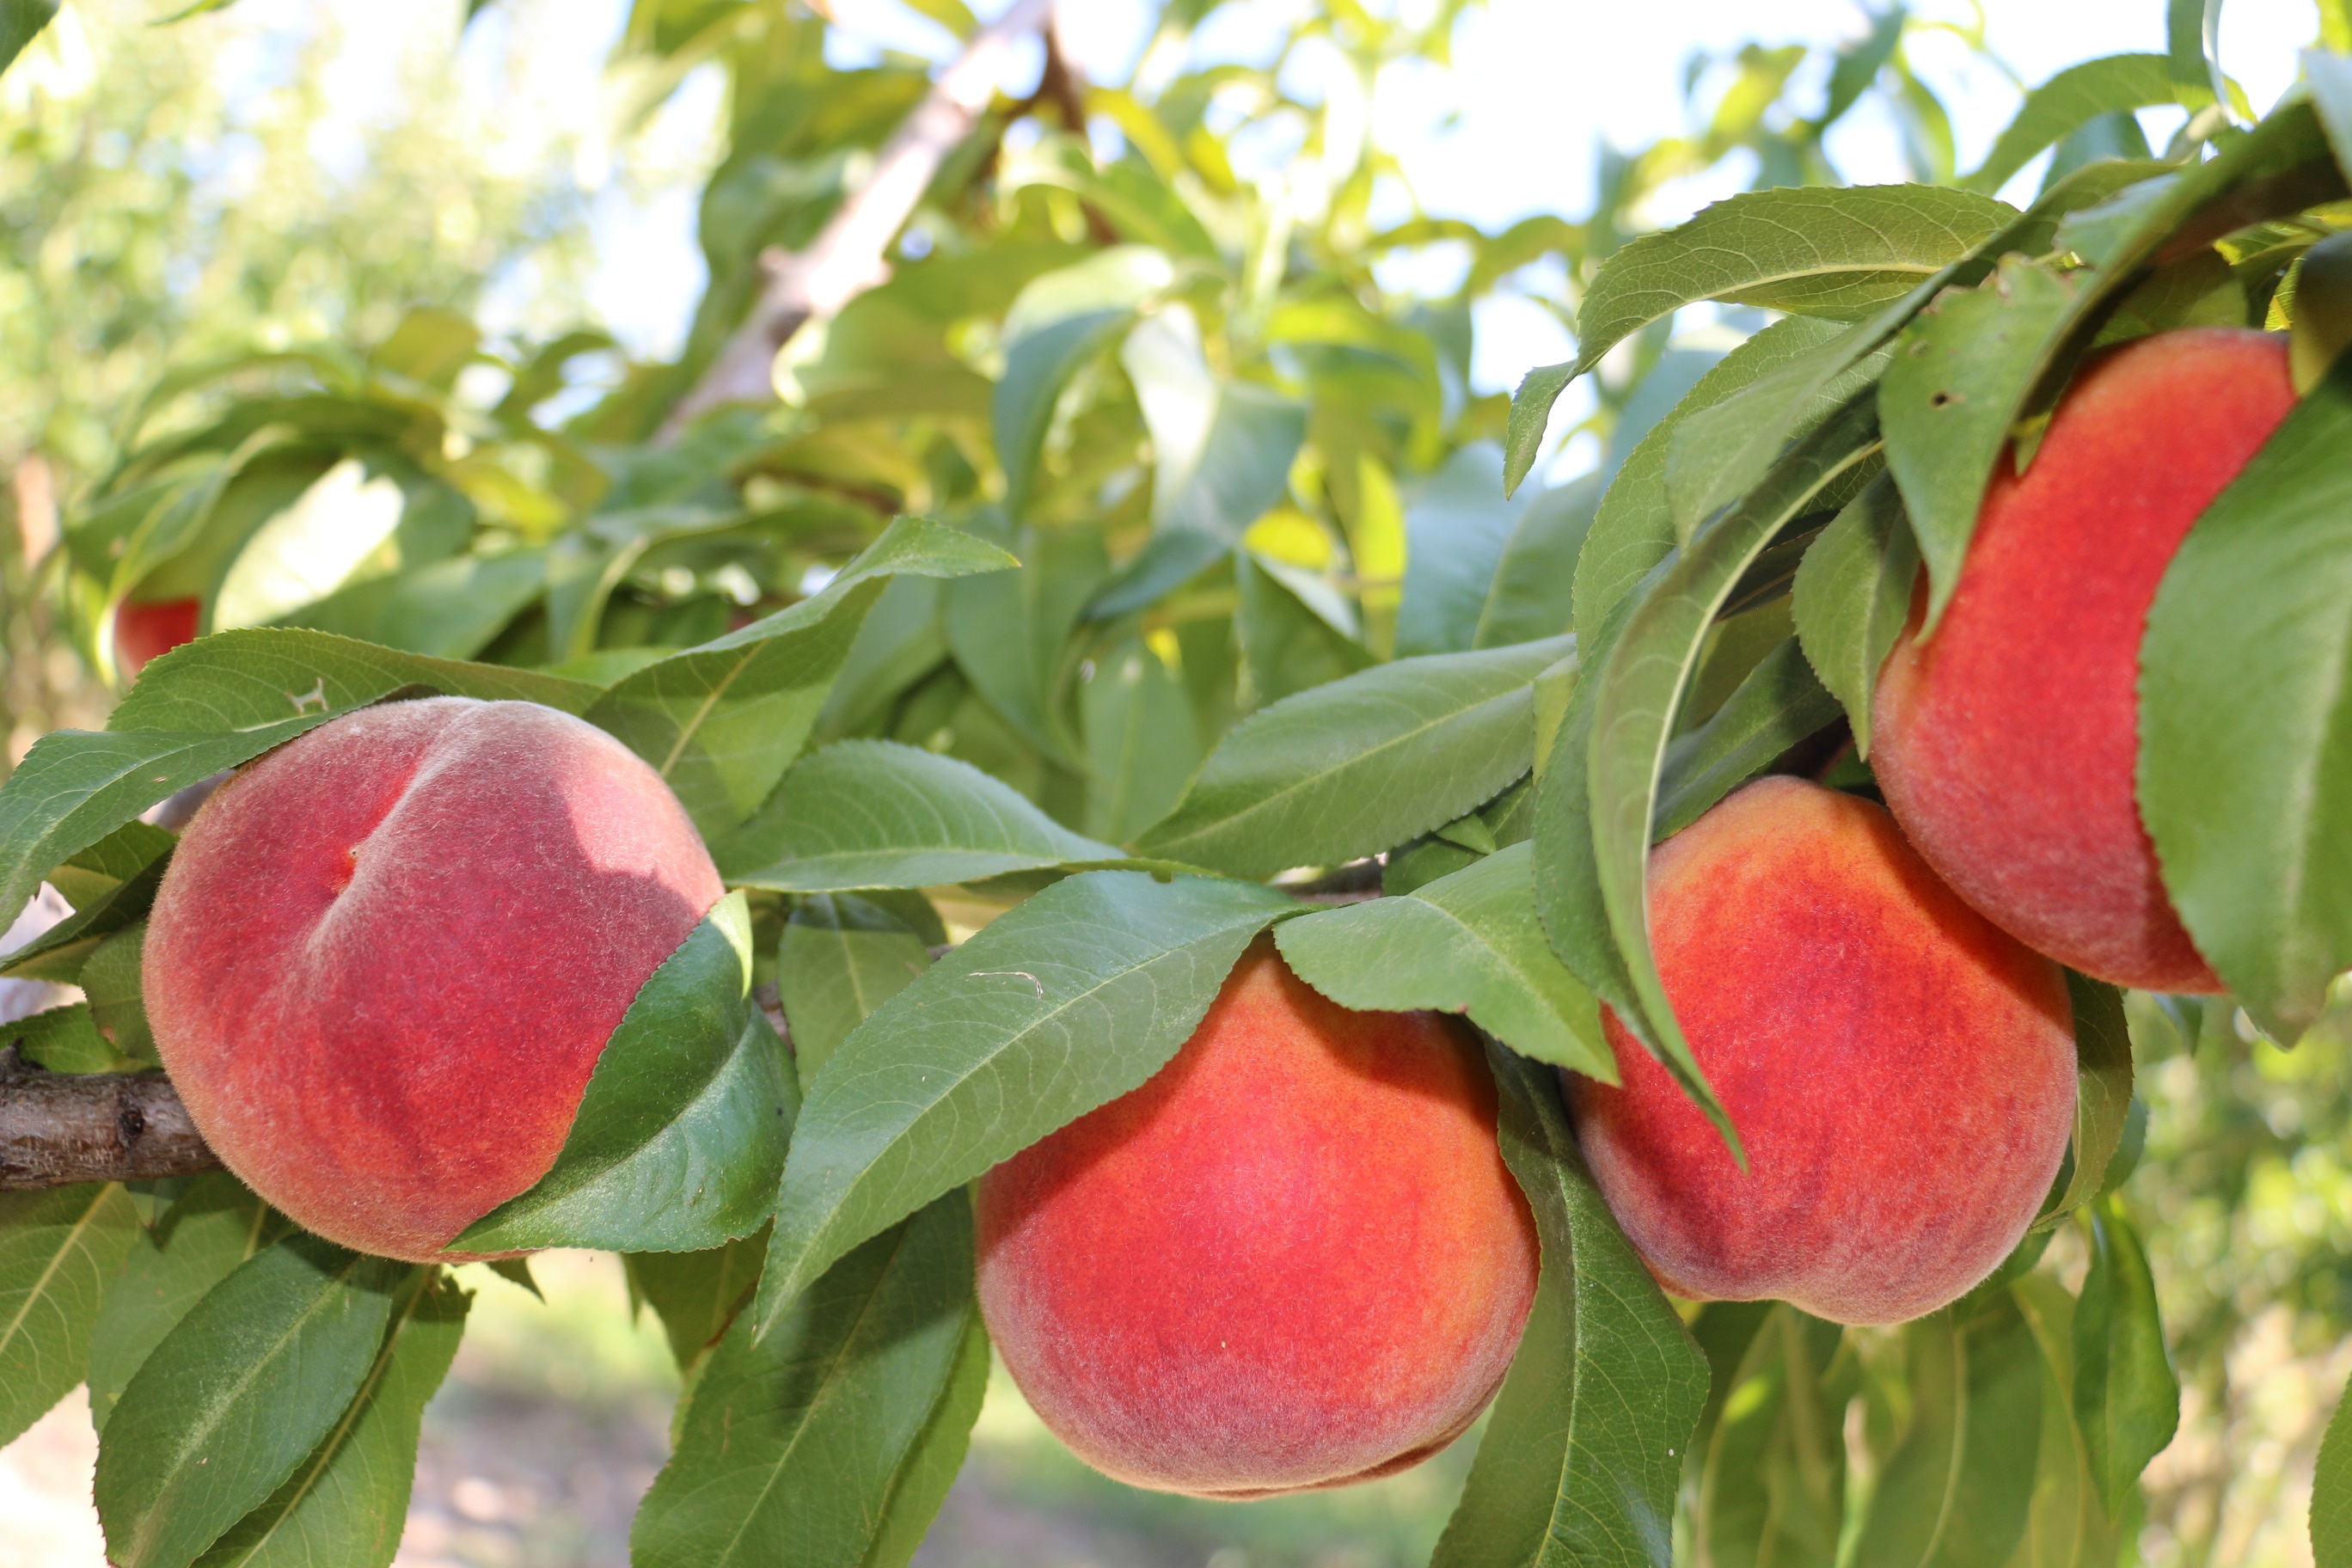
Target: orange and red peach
x,y
387,955
1900,1071
1292,1259
2007,741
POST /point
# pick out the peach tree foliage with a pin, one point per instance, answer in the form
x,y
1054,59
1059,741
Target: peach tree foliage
x,y
1130,547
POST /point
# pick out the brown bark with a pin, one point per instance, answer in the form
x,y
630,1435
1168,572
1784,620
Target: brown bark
x,y
59,1129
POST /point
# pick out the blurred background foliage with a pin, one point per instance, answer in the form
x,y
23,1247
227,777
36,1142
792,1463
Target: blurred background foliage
x,y
1170,339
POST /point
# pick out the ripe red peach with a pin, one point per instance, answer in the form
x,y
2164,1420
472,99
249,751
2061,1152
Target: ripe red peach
x,y
386,956
144,632
1292,1259
2007,742
1901,1072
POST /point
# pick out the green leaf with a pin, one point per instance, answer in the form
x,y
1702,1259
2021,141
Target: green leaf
x,y
1956,1491
697,1294
1468,942
60,952
1718,452
1634,697
722,722
210,1229
799,1446
59,1249
1634,530
1773,1490
927,1474
1533,592
2245,760
1060,322
1142,741
1852,596
65,1039
1063,1004
236,1396
1010,631
110,978
1457,524
1360,765
2330,76
21,22
1297,631
2103,1088
261,678
1839,252
2067,103
347,1503
1531,416
1959,379
875,814
76,786
843,956
1244,471
450,608
2068,1523
1779,704
2126,1399
681,1135
1586,1442
2331,1493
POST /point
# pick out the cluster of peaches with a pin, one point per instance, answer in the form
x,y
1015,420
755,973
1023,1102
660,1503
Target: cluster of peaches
x,y
1295,1259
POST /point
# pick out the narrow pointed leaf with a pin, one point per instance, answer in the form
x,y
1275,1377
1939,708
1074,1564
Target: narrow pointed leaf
x,y
210,1230
1468,942
843,956
1777,704
1853,595
60,1250
1065,1001
2126,1397
1587,1440
1360,765
236,1396
266,674
795,1446
876,814
681,1134
2103,1088
2331,1493
697,1294
2068,101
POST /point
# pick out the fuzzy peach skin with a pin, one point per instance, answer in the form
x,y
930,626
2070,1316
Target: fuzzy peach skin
x,y
1293,1260
2006,744
1900,1071
386,957
144,632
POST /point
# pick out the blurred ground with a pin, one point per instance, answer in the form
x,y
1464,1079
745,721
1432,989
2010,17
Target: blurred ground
x,y
555,1419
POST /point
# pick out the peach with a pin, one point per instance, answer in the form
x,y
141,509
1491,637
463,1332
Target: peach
x,y
386,956
2007,742
143,632
1292,1259
1901,1072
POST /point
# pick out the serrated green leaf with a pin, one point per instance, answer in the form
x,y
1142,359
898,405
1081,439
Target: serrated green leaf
x,y
348,1502
1530,415
1719,453
875,814
697,1294
1061,1005
1297,631
1457,523
2068,101
1955,1492
2245,760
2331,1493
1010,631
450,609
239,1391
1293,783
1244,471
842,956
1960,376
1838,252
1635,694
1060,321
681,1134
210,1229
59,1249
21,22
1586,1442
1853,595
257,679
2067,1526
58,953
1777,704
928,1473
65,1039
1532,596
110,979
1773,1490
722,722
1635,528
799,1445
1142,741
2126,1399
2103,1088
1468,942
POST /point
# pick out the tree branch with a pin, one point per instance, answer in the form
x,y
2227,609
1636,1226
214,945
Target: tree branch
x,y
847,257
59,1129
